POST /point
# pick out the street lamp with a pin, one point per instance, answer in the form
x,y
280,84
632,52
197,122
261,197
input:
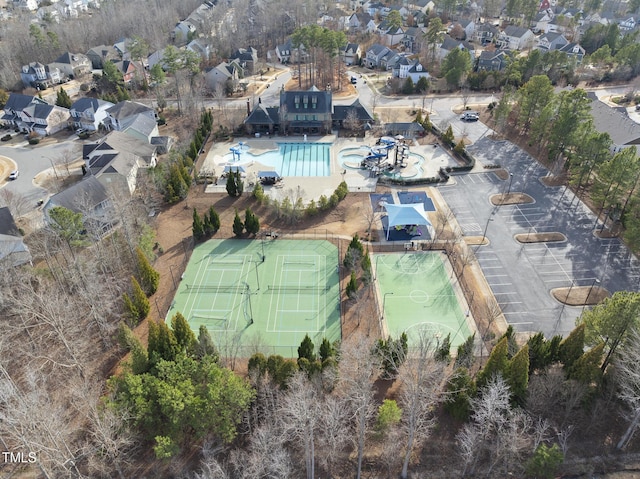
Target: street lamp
x,y
586,301
510,180
486,227
384,301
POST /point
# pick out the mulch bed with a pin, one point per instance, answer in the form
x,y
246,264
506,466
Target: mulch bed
x,y
580,295
540,237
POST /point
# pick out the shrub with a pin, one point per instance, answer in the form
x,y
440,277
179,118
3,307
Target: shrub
x,y
34,141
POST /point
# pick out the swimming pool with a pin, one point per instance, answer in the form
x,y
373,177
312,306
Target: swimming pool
x,y
350,158
294,159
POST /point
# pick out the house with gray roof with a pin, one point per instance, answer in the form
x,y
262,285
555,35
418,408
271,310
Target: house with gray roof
x,y
119,114
72,65
91,198
624,132
247,58
574,51
101,54
89,113
116,159
262,119
362,22
356,110
496,60
449,44
287,53
515,38
13,251
551,41
375,54
485,33
351,54
412,39
406,68
224,77
40,76
30,113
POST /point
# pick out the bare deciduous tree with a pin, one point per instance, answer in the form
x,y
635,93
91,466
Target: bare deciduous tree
x,y
628,378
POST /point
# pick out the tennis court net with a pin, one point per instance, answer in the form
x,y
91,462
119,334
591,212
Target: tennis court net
x,y
297,288
217,288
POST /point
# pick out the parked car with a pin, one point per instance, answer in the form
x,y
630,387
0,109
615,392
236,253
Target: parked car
x,y
14,175
470,116
354,80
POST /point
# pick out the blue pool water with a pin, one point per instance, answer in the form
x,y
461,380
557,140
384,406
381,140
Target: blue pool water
x,y
294,159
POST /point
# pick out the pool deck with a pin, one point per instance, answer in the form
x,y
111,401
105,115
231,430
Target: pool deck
x,y
312,187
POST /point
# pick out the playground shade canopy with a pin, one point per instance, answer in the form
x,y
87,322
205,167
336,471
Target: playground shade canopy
x,y
409,214
233,168
268,174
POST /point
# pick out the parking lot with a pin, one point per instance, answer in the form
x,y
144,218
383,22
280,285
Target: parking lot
x,y
522,276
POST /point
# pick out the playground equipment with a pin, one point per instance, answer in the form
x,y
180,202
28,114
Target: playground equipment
x,y
378,159
238,149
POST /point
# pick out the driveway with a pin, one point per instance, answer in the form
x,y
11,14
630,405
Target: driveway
x,y
522,276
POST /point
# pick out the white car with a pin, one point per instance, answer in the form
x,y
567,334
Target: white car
x,y
14,175
470,116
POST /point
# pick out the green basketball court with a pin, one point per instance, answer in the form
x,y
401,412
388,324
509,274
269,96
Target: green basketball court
x,y
262,294
416,295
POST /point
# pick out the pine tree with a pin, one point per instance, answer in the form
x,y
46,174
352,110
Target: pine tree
x,y
140,300
572,347
168,347
496,364
214,218
251,223
586,368
185,338
197,227
326,350
63,99
130,310
443,352
352,286
238,227
205,346
460,389
518,375
239,184
306,349
149,277
365,264
464,356
207,226
258,193
232,189
448,137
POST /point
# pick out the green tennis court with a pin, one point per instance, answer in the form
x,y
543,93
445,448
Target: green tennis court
x,y
416,295
262,295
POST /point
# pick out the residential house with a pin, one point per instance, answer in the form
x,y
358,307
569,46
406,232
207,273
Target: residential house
x,y
30,113
390,35
141,127
89,113
101,54
200,47
307,111
91,198
390,59
373,8
629,23
424,6
362,22
156,57
73,8
359,113
413,69
541,21
224,77
385,11
49,14
122,48
184,32
128,70
72,65
408,130
485,33
374,55
495,60
247,58
449,44
13,251
351,53
412,39
468,27
551,41
515,38
287,53
574,51
120,114
623,131
40,76
116,159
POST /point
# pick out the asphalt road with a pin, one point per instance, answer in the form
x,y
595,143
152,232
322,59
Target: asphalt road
x,y
522,276
32,160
